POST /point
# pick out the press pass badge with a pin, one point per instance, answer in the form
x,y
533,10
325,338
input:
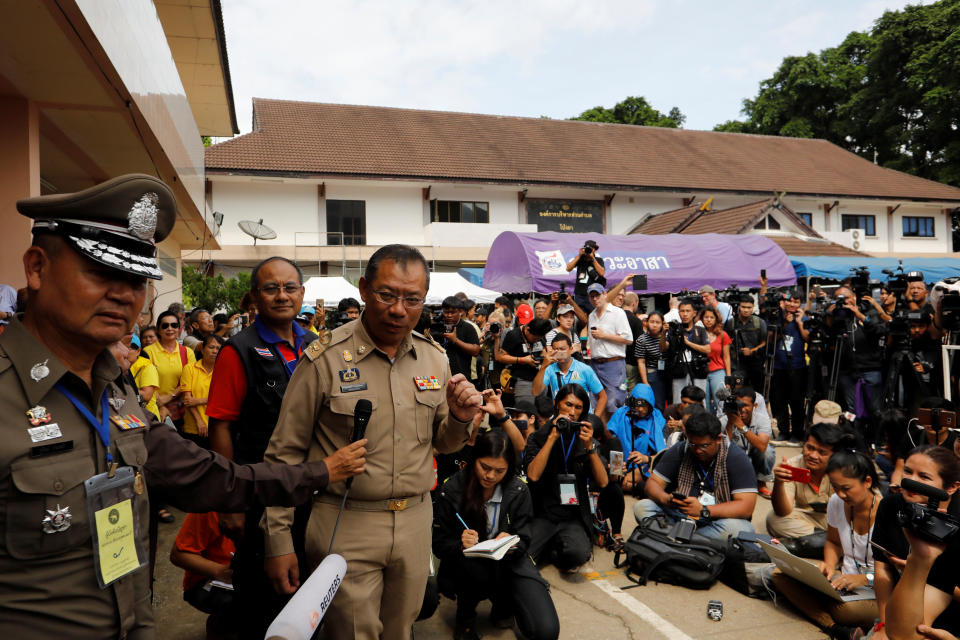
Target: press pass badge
x,y
114,525
707,499
568,489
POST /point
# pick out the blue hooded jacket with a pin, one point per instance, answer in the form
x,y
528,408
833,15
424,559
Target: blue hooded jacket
x,y
649,430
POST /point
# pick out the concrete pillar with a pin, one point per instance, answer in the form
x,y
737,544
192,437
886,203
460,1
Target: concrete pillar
x,y
19,178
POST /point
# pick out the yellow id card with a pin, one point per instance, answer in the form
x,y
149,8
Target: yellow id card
x,y
116,541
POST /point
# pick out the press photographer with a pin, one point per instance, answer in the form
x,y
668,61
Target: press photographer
x,y
929,577
639,427
749,333
753,436
458,338
858,335
687,347
523,351
914,368
590,270
788,336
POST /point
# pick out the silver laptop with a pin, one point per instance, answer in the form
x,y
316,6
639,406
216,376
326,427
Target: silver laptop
x,y
806,572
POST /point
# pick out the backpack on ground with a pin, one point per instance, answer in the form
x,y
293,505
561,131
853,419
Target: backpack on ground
x,y
656,551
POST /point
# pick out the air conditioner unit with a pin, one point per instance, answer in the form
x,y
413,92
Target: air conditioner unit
x,y
856,235
856,245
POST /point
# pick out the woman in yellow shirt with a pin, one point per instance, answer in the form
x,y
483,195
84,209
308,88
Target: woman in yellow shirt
x,y
145,375
170,358
195,387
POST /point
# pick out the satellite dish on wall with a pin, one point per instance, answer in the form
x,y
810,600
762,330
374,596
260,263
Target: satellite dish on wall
x,y
257,230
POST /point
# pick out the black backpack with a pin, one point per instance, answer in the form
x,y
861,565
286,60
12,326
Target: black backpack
x,y
655,552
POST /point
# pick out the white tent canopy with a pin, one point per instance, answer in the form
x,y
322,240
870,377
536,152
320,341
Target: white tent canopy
x,y
447,284
330,289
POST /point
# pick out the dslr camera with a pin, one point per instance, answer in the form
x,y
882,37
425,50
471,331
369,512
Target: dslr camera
x,y
731,403
567,427
633,404
924,519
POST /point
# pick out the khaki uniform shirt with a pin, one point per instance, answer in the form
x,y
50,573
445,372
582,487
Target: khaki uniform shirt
x,y
48,588
805,498
407,423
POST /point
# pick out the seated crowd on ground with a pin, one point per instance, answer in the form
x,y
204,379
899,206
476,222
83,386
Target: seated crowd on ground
x,y
590,400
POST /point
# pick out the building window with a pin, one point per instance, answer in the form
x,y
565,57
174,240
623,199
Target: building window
x,y
349,218
867,223
918,227
767,224
456,211
807,218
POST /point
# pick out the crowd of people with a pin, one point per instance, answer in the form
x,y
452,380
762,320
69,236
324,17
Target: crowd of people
x,y
529,423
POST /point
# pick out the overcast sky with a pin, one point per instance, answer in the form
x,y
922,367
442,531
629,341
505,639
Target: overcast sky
x,y
554,58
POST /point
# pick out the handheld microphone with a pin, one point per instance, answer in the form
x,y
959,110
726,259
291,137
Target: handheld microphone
x,y
361,417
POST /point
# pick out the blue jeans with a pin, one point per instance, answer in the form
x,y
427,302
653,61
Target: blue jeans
x,y
680,383
714,382
847,384
719,529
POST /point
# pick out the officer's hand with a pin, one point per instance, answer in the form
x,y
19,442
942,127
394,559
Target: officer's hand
x,y
346,462
231,525
469,538
463,399
283,573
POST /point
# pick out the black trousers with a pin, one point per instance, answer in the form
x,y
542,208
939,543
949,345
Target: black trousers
x,y
567,544
789,389
256,601
526,597
611,505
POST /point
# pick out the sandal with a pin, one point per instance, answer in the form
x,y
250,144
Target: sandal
x,y
616,543
165,516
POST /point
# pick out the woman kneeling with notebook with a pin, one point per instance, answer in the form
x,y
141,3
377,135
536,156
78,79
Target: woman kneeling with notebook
x,y
847,557
486,501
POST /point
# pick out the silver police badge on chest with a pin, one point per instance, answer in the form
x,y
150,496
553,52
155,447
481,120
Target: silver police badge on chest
x,y
116,399
57,520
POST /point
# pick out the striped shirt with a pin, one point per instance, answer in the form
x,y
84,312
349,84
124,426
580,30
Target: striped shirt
x,y
647,347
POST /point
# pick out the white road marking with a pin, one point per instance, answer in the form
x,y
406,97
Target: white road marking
x,y
644,612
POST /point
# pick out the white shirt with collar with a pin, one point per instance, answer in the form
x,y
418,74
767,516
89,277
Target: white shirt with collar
x,y
614,320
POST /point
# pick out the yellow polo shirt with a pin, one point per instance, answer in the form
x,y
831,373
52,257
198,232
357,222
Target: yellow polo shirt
x,y
168,365
145,375
196,380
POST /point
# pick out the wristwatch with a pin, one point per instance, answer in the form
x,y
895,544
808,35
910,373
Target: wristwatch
x,y
704,512
743,428
870,577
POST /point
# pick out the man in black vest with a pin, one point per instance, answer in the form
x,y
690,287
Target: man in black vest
x,y
248,384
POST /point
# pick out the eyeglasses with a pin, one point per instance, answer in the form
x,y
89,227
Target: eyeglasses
x,y
388,298
701,447
170,325
272,289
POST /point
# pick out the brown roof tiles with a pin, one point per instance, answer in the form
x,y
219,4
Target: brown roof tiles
x,y
305,138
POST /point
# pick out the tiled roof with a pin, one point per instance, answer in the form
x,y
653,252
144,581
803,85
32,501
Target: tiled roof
x,y
796,246
666,222
304,138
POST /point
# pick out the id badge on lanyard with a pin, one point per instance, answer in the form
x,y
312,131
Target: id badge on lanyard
x,y
568,489
114,525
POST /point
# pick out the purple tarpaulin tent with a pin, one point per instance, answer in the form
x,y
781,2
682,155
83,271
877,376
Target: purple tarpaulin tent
x,y
522,262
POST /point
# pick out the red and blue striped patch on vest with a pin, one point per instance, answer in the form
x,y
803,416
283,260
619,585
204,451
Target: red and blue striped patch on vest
x,y
266,353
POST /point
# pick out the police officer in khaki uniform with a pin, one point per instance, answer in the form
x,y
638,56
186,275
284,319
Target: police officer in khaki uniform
x,y
385,530
77,452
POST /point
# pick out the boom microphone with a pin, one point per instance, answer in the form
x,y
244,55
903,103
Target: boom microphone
x,y
924,489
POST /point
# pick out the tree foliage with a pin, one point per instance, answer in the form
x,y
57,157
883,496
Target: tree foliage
x,y
634,110
890,94
213,293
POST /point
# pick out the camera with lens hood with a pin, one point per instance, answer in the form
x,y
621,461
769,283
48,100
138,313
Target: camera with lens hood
x,y
924,519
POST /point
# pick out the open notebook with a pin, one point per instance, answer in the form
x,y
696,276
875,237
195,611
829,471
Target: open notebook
x,y
493,549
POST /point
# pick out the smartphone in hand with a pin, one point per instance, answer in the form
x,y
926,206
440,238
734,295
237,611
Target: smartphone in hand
x,y
798,474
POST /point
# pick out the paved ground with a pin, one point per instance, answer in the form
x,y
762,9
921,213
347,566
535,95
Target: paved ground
x,y
590,605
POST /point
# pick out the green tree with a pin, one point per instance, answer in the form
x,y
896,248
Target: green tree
x,y
889,95
634,110
213,293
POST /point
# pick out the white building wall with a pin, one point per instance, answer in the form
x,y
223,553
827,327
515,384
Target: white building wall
x,y
286,207
394,213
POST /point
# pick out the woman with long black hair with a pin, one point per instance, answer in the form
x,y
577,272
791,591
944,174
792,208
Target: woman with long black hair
x,y
562,458
486,501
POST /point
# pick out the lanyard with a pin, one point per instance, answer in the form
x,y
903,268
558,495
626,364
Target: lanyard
x,y
102,426
566,451
866,552
704,476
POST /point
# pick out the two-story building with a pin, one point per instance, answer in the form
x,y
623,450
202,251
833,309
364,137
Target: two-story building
x,y
334,182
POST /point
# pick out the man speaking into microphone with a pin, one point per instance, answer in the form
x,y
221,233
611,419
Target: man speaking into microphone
x,y
385,529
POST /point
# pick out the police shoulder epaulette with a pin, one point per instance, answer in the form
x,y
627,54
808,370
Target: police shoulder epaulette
x,y
315,348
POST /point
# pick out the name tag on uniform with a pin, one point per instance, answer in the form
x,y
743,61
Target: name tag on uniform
x,y
44,432
347,388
